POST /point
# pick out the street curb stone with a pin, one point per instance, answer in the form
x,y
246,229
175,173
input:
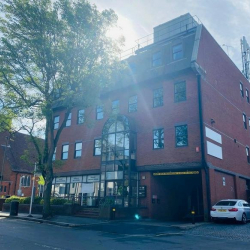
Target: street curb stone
x,y
73,225
64,224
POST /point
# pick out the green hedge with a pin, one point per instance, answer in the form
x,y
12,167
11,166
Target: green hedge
x,y
56,201
23,200
37,200
26,200
12,198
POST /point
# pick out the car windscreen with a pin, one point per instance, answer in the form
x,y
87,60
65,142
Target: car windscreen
x,y
226,203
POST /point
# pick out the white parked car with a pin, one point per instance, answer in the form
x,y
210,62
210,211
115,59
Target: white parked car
x,y
238,210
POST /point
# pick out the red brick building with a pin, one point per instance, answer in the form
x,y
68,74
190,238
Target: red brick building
x,y
16,173
173,137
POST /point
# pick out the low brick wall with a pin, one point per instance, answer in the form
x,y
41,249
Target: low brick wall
x,y
66,209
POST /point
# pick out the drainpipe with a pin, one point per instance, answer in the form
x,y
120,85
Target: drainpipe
x,y
203,160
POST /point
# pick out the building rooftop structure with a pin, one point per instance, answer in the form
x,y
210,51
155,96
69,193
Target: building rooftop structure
x,y
163,32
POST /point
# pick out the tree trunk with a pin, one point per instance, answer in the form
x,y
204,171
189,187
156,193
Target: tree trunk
x,y
47,194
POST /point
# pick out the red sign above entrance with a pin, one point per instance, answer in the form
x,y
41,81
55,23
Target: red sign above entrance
x,y
177,173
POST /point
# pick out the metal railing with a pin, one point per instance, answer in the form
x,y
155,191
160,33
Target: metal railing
x,y
165,32
90,201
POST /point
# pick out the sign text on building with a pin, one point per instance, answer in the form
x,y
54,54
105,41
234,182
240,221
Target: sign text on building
x,y
177,173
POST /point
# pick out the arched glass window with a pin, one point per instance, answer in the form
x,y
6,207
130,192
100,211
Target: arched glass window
x,y
116,158
115,140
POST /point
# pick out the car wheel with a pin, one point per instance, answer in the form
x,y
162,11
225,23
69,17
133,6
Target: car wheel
x,y
244,219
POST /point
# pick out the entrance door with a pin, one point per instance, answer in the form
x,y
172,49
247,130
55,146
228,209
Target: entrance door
x,y
178,195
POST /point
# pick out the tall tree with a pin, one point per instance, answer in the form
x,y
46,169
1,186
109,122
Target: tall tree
x,y
5,120
54,53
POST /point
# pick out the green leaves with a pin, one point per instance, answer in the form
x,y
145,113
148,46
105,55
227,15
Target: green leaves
x,y
54,53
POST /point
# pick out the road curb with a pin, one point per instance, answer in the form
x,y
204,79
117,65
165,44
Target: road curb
x,y
188,226
73,225
57,223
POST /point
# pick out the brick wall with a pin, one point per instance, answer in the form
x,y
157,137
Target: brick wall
x,y
146,119
15,181
6,168
223,103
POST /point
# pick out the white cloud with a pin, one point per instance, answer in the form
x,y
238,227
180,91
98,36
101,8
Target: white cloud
x,y
126,29
226,20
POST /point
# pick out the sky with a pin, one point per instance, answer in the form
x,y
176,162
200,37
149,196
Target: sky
x,y
226,20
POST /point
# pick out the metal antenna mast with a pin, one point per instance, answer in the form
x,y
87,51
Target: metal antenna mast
x,y
245,54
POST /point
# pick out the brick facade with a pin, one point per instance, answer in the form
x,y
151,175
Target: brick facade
x,y
223,173
13,166
222,102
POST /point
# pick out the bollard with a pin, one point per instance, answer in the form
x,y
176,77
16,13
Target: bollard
x,y
113,213
193,216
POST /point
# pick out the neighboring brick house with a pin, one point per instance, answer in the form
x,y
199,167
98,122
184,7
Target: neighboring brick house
x,y
173,138
17,173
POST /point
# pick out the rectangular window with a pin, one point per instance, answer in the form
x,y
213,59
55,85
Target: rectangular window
x,y
56,122
132,104
247,95
158,97
78,149
68,122
54,155
115,106
65,151
158,138
181,136
5,189
80,116
25,180
244,120
180,91
114,188
99,112
156,59
97,146
177,52
241,89
247,153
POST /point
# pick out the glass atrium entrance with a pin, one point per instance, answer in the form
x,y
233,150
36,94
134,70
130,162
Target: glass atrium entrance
x,y
118,176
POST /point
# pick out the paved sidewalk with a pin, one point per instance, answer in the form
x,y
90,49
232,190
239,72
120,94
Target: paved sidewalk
x,y
73,221
67,221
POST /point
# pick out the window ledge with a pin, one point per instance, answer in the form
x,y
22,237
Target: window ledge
x,y
180,101
157,106
157,67
174,61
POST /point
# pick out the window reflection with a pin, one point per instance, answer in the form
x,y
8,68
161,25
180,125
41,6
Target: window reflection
x,y
112,128
115,160
119,127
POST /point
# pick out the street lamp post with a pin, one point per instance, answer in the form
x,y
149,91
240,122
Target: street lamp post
x,y
32,191
4,155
